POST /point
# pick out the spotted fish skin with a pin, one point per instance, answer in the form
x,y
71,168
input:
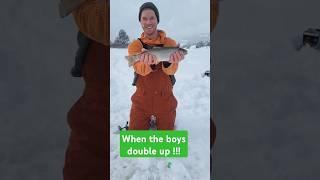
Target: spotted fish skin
x,y
161,53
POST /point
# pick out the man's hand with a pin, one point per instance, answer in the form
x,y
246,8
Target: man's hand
x,y
147,58
176,57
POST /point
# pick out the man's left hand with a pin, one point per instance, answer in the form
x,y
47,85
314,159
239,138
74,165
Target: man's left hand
x,y
176,57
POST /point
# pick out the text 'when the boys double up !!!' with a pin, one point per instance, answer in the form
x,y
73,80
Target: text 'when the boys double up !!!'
x,y
154,144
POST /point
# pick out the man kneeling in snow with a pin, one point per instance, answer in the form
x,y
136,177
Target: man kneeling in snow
x,y
153,98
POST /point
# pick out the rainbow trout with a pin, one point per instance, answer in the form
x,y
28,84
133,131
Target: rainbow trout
x,y
161,53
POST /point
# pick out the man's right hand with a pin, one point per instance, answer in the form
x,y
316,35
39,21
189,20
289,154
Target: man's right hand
x,y
147,58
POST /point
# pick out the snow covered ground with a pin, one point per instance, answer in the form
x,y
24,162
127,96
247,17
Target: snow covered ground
x,y
193,114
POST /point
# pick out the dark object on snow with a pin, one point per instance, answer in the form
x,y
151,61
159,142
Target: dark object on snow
x,y
207,73
83,43
153,123
310,37
126,127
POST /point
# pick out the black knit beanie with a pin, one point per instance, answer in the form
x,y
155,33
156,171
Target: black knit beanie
x,y
149,5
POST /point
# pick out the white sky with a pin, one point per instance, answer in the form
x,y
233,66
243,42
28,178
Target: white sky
x,y
180,19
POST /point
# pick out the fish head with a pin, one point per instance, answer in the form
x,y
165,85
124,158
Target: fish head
x,y
184,51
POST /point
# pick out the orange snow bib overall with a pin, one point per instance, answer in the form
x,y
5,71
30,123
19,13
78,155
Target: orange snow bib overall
x,y
153,94
87,155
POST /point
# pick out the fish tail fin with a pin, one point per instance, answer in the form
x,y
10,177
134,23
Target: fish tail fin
x,y
131,60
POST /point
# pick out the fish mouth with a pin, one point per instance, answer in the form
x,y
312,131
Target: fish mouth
x,y
184,51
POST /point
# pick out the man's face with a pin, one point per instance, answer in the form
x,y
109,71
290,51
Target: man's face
x,y
149,22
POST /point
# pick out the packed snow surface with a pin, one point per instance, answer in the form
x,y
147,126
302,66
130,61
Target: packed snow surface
x,y
193,114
